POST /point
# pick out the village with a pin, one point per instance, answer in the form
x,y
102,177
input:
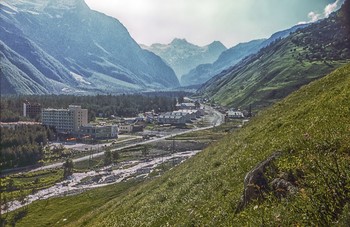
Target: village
x,y
73,134
140,147
71,125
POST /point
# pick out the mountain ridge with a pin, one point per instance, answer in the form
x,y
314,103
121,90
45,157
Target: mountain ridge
x,y
183,56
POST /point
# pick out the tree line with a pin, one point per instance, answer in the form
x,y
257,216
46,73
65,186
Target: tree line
x,y
23,145
100,105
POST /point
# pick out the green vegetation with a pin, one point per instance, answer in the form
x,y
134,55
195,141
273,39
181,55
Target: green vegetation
x,y
285,65
212,134
23,145
104,105
68,168
14,186
64,210
310,129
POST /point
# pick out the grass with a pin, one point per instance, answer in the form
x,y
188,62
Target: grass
x,y
310,128
212,134
87,165
26,183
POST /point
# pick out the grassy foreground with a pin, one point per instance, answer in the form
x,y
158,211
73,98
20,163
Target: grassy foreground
x,y
311,129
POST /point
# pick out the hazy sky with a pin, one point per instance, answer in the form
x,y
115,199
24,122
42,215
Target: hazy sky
x,y
203,21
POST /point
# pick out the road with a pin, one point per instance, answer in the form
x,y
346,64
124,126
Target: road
x,y
217,119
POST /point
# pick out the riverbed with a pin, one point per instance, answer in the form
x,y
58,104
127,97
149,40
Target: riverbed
x,y
80,182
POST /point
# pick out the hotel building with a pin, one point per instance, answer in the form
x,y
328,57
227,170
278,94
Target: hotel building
x,y
65,120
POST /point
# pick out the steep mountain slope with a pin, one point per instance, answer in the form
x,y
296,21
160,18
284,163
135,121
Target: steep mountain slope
x,y
285,65
230,57
26,68
96,51
310,129
183,56
18,75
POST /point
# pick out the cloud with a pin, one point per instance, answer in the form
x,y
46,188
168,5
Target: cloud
x,y
314,16
330,8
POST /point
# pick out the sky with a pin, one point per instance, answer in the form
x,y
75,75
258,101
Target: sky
x,y
204,21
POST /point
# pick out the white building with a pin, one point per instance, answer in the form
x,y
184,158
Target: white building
x,y
235,114
172,119
65,120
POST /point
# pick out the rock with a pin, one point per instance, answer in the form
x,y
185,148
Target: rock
x,y
255,183
283,188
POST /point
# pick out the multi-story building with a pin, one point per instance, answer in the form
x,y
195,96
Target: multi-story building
x,y
31,110
65,120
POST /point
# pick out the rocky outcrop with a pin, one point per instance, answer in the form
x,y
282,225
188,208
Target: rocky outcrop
x,y
256,182
284,185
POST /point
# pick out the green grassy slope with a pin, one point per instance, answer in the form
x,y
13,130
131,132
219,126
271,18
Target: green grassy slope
x,y
312,130
285,65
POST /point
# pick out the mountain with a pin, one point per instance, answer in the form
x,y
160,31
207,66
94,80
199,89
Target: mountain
x,y
26,68
301,145
285,65
73,49
183,56
202,73
230,57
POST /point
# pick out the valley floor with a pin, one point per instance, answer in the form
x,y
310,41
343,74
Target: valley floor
x,y
165,153
82,181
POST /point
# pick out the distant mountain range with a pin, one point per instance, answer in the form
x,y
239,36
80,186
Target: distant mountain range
x,y
285,65
52,46
183,56
230,57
